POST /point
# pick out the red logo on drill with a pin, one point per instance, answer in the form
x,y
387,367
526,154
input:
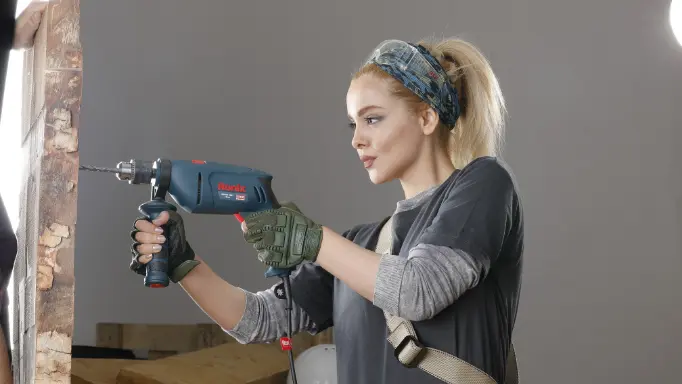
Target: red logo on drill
x,y
231,188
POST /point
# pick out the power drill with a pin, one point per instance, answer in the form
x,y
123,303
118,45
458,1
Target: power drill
x,y
199,186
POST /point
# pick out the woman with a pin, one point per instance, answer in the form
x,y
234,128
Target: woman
x,y
448,259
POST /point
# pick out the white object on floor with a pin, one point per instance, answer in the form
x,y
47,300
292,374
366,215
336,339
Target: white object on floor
x,y
316,365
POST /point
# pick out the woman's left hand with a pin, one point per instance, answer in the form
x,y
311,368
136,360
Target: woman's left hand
x,y
284,237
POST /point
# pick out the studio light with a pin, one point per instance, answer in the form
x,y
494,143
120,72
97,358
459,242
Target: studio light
x,y
676,19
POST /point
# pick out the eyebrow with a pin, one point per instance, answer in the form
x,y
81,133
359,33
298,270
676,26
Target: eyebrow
x,y
365,109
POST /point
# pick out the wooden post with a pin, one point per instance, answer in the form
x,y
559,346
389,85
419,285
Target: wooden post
x,y
44,268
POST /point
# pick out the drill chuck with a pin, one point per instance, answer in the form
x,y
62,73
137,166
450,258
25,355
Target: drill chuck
x,y
133,171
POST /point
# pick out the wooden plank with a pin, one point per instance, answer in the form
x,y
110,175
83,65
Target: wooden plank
x,y
178,338
230,363
44,273
97,371
155,355
160,338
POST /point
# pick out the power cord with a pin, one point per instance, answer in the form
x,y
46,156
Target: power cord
x,y
287,293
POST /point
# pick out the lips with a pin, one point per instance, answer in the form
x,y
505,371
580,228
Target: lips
x,y
367,161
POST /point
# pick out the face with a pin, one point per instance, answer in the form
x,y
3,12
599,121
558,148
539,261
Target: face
x,y
387,135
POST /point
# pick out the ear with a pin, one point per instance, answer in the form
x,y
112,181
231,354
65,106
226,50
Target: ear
x,y
429,120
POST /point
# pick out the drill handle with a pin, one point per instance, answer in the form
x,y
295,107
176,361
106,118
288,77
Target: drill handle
x,y
156,273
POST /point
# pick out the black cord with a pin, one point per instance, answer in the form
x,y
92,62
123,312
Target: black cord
x,y
287,292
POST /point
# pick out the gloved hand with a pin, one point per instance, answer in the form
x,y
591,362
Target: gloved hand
x,y
283,237
147,239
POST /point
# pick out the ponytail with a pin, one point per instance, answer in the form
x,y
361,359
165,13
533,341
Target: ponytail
x,y
479,131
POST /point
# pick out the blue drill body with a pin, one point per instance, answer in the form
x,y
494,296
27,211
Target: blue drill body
x,y
221,189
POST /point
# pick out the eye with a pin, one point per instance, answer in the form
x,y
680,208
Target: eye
x,y
372,120
368,120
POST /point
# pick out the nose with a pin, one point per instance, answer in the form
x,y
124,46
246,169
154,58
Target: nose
x,y
359,139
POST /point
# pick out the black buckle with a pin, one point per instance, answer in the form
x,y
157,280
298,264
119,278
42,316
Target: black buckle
x,y
417,359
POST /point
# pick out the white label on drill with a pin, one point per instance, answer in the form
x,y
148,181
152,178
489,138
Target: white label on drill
x,y
232,196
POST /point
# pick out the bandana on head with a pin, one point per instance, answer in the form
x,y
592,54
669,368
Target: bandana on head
x,y
421,73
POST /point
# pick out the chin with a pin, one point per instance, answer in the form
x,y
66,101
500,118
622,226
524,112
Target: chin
x,y
377,177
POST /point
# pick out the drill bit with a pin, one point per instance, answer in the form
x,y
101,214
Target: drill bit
x,y
98,169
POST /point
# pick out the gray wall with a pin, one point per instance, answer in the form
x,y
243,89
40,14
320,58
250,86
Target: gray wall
x,y
593,91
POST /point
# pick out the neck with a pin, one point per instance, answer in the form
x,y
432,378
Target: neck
x,y
426,172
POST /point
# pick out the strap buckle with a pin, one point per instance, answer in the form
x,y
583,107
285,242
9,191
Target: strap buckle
x,y
409,352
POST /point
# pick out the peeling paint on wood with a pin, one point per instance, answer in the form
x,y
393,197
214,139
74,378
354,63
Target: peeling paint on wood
x,y
59,230
63,40
44,273
52,241
49,240
53,359
45,278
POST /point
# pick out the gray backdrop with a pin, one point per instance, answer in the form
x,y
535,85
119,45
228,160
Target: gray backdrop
x,y
593,90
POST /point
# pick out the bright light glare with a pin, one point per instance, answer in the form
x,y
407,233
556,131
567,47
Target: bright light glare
x,y
11,153
676,19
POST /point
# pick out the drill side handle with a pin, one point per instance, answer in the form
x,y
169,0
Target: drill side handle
x,y
156,273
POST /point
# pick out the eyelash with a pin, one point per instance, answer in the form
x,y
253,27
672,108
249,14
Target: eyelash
x,y
352,125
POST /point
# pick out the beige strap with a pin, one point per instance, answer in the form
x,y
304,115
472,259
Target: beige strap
x,y
442,365
512,372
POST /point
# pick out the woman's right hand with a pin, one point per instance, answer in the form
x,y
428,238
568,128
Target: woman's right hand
x,y
148,237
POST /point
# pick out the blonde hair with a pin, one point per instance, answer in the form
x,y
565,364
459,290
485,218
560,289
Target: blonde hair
x,y
479,130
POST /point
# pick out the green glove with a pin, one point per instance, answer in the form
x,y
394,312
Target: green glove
x,y
283,237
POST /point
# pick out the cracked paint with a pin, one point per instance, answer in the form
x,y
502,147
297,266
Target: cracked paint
x,y
66,142
69,30
60,230
62,120
52,240
49,239
74,82
66,51
45,277
50,260
54,79
64,137
53,358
